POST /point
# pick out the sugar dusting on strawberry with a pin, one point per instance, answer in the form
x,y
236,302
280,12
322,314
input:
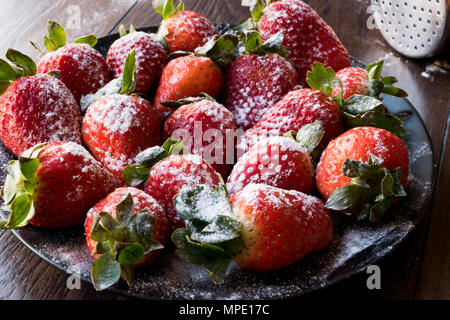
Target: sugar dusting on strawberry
x,y
118,127
38,109
256,82
306,34
150,59
295,110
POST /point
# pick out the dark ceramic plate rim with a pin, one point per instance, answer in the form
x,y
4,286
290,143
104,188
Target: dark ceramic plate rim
x,y
106,42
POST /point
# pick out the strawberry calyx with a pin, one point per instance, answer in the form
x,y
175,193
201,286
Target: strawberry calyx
x,y
220,50
371,190
20,66
123,85
166,8
257,8
138,173
57,38
378,84
121,243
252,43
310,137
123,32
358,110
19,189
212,235
175,104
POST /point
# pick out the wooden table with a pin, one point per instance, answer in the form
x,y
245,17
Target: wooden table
x,y
419,268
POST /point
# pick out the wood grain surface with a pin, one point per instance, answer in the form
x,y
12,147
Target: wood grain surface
x,y
419,268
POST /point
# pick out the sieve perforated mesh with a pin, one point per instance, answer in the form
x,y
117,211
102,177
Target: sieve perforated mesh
x,y
415,28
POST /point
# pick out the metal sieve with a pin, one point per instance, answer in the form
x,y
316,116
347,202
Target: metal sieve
x,y
415,28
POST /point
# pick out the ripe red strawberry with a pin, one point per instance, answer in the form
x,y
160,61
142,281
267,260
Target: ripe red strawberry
x,y
124,231
150,59
277,161
35,108
266,228
205,126
306,35
183,30
362,171
170,175
357,81
116,128
187,77
254,83
354,80
82,68
295,110
53,186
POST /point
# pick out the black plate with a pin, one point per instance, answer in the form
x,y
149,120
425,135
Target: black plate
x,y
354,247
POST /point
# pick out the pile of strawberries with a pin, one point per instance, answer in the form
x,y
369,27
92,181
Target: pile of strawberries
x,y
272,107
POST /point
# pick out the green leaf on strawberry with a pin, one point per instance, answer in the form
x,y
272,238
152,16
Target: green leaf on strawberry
x,y
212,234
19,188
310,137
122,242
90,40
57,38
137,174
359,111
221,50
166,8
22,66
379,84
371,190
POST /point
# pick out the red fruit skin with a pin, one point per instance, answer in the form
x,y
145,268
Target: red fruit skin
x,y
210,122
38,109
295,110
187,77
354,81
358,144
151,58
277,161
82,68
306,34
171,174
188,30
142,202
280,227
117,128
70,181
254,83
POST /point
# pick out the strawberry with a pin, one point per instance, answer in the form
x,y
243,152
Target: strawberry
x,y
150,58
190,75
34,108
82,68
258,79
183,30
124,231
306,34
362,171
208,122
295,110
187,77
118,126
53,186
362,106
166,170
262,228
280,162
357,81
